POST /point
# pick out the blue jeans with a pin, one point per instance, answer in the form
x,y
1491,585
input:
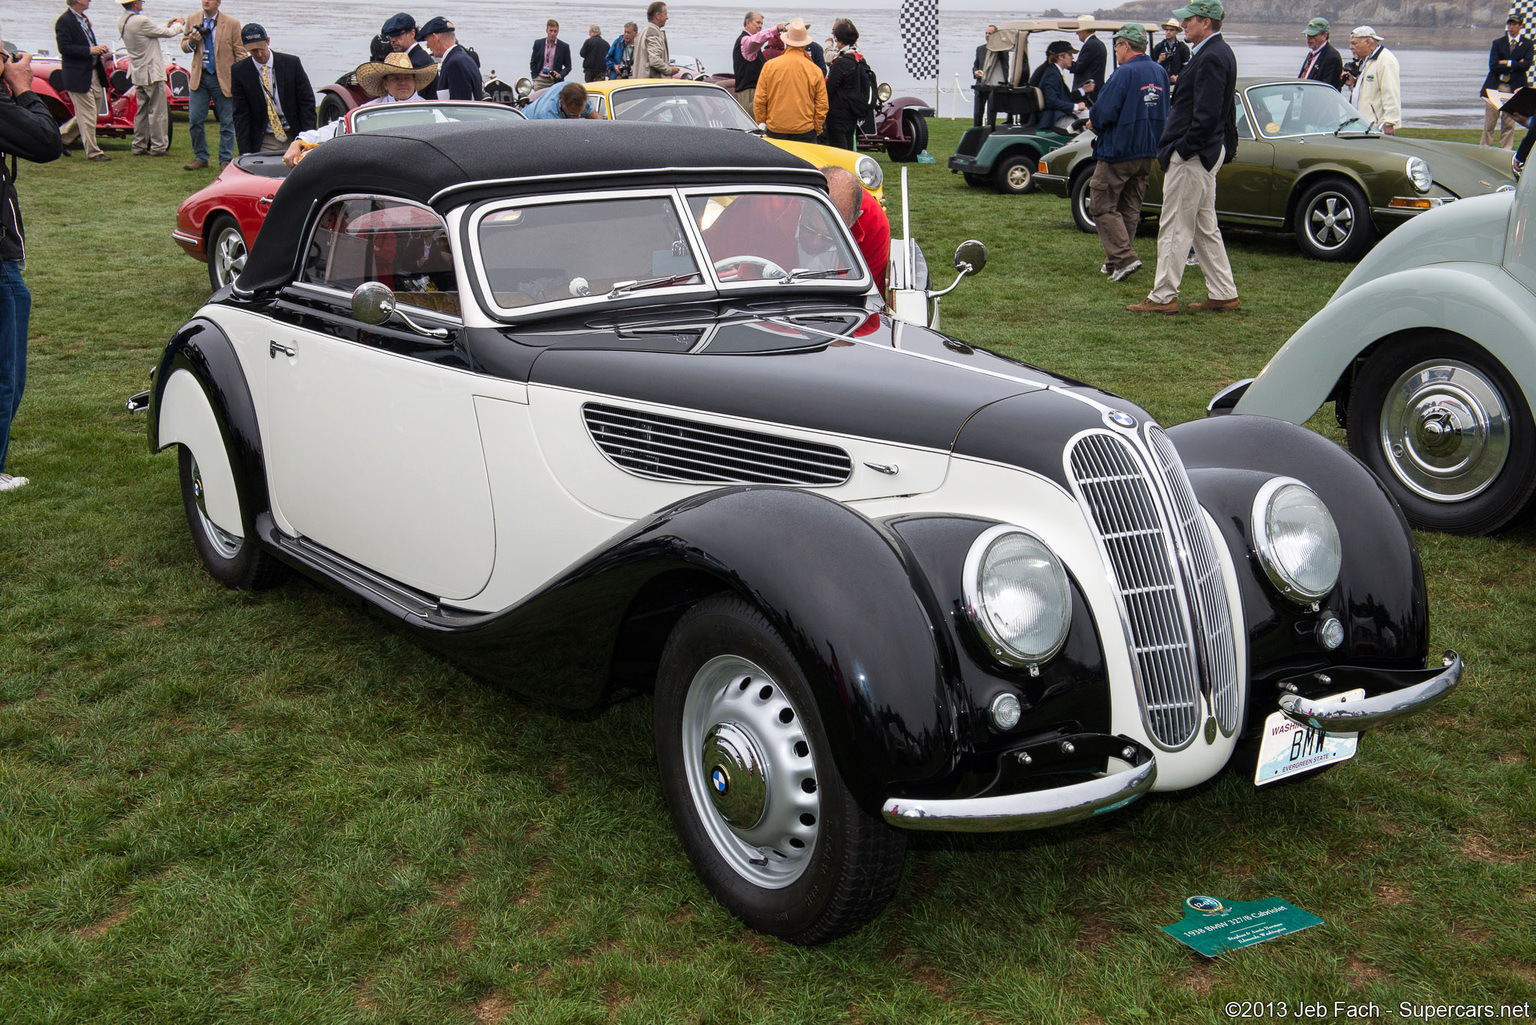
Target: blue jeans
x,y
207,92
15,312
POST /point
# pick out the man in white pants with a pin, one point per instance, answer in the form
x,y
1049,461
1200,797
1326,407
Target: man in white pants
x,y
146,67
1200,136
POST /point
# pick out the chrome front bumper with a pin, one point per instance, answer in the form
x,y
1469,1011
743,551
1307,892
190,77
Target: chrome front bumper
x,y
1389,694
1037,809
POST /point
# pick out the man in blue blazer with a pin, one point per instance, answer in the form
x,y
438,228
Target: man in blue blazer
x,y
1322,63
84,78
1509,64
458,76
1200,136
551,60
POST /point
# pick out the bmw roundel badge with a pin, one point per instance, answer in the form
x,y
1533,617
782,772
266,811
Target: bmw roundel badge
x,y
1121,419
721,781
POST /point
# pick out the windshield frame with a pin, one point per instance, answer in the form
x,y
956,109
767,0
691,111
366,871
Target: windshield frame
x,y
678,88
711,285
1256,124
364,111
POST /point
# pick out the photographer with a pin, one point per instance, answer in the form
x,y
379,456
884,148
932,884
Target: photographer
x,y
28,131
213,38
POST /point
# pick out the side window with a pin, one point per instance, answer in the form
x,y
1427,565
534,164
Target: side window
x,y
402,245
1244,131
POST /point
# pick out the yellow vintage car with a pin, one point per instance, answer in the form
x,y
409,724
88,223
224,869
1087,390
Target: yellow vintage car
x,y
674,101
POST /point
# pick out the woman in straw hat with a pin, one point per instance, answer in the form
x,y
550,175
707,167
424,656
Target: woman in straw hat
x,y
391,80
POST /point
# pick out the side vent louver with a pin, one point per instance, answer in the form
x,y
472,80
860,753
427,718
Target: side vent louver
x,y
667,448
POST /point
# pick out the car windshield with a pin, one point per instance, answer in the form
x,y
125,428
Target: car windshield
x,y
566,252
1302,109
681,105
389,116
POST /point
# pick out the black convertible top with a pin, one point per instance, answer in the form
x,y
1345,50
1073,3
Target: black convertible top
x,y
446,165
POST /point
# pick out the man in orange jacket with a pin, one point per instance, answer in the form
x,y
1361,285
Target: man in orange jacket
x,y
791,100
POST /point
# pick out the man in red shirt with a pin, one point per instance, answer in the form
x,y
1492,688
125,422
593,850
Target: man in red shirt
x,y
865,219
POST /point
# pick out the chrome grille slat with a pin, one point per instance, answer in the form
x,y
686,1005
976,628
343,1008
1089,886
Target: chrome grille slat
x,y
667,448
1167,579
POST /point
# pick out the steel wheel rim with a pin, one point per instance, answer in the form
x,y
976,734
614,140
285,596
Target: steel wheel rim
x,y
229,254
225,543
1019,176
731,692
1082,206
1445,430
1330,220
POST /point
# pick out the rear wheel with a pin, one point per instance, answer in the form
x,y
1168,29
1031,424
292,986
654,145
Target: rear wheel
x,y
226,251
747,769
1333,221
1448,431
1016,174
231,560
915,128
331,108
1081,195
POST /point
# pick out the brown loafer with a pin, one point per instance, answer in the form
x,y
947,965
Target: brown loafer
x,y
1148,306
101,158
196,165
1217,305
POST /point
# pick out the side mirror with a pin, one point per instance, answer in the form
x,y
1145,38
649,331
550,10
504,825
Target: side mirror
x,y
373,303
970,257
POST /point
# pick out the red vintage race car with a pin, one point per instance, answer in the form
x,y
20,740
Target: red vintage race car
x,y
116,120
218,223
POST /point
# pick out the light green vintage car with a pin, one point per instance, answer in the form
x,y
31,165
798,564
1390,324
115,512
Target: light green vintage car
x,y
1428,352
1308,162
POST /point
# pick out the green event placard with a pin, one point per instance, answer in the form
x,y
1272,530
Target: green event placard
x,y
1213,926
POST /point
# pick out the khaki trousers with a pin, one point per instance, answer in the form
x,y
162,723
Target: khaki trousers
x,y
83,125
152,122
1114,201
1189,216
1506,129
746,98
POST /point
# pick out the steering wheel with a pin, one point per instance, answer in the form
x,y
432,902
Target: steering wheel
x,y
770,269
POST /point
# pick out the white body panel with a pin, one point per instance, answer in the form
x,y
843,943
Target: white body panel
x,y
186,418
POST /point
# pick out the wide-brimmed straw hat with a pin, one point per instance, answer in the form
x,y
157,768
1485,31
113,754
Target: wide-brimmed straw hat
x,y
370,76
795,34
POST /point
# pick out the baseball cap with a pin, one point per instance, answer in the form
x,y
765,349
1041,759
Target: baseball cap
x,y
1202,9
1317,26
1133,34
1059,46
1364,32
253,33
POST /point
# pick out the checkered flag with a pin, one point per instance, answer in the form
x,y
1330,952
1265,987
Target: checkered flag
x,y
1526,9
920,37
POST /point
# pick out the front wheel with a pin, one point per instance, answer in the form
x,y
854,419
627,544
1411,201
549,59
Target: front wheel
x,y
1333,221
747,770
232,560
331,108
1082,195
916,130
226,251
1448,431
1015,176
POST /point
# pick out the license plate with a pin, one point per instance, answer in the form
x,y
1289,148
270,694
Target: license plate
x,y
1290,749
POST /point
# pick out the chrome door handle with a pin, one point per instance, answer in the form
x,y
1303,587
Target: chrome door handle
x,y
265,200
279,347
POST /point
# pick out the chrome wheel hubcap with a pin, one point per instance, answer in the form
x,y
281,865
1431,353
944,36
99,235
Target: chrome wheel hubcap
x,y
1330,220
1445,431
225,543
751,772
229,255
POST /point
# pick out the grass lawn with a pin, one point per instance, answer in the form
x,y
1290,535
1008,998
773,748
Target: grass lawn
x,y
229,807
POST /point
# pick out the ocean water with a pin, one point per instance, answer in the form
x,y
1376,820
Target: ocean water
x,y
1442,69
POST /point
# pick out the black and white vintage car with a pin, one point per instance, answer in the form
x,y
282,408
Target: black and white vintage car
x,y
604,407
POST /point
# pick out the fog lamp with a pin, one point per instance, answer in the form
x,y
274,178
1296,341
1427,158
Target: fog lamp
x,y
1006,712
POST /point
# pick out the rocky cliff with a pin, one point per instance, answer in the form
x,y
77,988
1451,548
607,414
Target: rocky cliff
x,y
1414,13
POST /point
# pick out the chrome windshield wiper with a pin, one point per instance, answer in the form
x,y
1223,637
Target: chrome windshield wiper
x,y
625,287
1349,121
804,273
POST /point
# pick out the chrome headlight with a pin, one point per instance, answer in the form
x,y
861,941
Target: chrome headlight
x,y
1016,596
1418,173
869,171
1296,539
883,92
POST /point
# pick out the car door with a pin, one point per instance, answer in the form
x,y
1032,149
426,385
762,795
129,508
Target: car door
x,y
1246,188
373,448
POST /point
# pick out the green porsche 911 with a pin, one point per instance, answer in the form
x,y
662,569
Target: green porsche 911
x,y
1309,162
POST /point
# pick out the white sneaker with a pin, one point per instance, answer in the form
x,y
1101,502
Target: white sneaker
x,y
1192,260
1103,268
1121,273
10,483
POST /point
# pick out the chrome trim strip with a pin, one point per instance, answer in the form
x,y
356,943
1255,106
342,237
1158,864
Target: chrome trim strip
x,y
1038,809
1373,711
645,172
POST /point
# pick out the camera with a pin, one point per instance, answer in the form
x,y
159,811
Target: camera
x,y
204,31
1352,68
